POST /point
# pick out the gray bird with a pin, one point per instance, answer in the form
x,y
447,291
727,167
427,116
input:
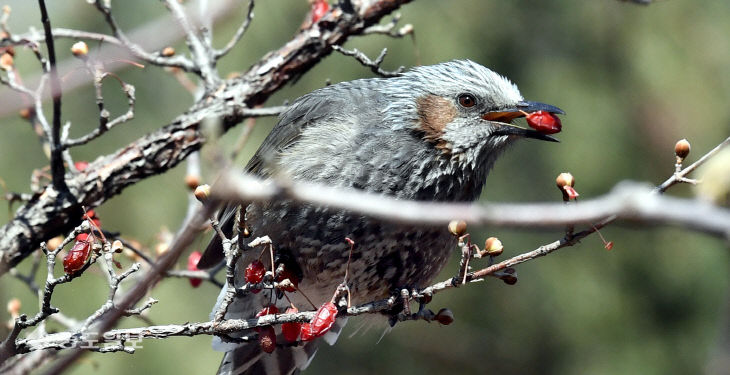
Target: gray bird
x,y
432,133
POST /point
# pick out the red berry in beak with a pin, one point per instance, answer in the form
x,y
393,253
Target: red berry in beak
x,y
544,122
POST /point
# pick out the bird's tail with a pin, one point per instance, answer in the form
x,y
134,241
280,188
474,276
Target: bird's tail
x,y
249,358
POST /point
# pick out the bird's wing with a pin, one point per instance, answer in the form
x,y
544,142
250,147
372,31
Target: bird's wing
x,y
303,112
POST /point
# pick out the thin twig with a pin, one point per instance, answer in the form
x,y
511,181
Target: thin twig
x,y
374,65
137,51
217,54
199,47
679,176
57,169
104,123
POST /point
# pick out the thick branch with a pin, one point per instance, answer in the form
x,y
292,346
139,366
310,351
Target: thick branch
x,y
47,214
628,201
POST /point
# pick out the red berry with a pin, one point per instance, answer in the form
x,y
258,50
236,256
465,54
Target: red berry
x,y
268,310
306,331
286,274
91,215
291,329
76,258
193,260
267,339
544,122
81,165
319,9
323,320
255,272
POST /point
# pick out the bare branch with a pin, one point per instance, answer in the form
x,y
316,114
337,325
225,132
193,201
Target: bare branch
x,y
239,33
48,215
104,123
681,175
628,201
57,169
373,65
389,28
200,49
137,51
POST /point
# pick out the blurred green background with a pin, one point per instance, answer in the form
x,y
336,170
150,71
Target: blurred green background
x,y
632,80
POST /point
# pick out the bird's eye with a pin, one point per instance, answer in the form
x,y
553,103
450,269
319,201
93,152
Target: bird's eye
x,y
467,100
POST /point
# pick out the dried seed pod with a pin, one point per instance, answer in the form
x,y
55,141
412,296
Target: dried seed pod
x,y
682,148
80,49
167,52
457,227
14,307
192,181
565,179
444,316
202,192
54,243
6,61
117,246
493,246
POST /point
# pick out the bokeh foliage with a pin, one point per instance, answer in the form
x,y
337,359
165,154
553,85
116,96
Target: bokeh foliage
x,y
632,80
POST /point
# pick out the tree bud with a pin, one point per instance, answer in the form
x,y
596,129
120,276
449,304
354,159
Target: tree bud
x,y
6,61
681,149
167,52
457,227
493,246
565,179
80,49
202,192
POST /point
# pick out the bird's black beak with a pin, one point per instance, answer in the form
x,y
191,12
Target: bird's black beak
x,y
521,109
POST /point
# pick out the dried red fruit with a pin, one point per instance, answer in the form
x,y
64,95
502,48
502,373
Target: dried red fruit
x,y
91,215
267,339
306,332
681,149
319,9
291,329
544,122
268,310
81,165
286,274
255,272
76,258
193,260
323,320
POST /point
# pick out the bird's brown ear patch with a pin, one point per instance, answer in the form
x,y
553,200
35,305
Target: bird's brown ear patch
x,y
434,113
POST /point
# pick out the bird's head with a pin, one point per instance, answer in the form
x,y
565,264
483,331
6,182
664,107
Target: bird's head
x,y
462,107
